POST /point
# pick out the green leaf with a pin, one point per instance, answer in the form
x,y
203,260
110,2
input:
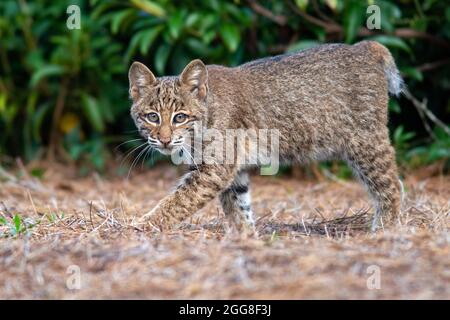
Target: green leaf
x,y
198,47
150,7
17,223
148,37
353,19
101,8
38,119
119,18
332,4
390,14
302,4
46,71
208,36
37,172
176,22
413,73
192,19
400,136
75,151
161,57
231,36
92,112
302,45
419,24
392,42
394,106
134,43
207,23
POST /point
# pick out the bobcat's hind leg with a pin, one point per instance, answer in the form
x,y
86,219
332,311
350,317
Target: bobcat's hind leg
x,y
236,203
375,165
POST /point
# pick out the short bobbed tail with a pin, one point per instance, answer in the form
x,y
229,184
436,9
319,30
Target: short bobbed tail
x,y
395,83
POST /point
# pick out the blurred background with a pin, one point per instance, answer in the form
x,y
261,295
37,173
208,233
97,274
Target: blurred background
x,y
64,92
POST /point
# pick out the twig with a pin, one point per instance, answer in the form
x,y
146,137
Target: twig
x,y
320,13
57,114
424,120
90,215
331,27
432,65
411,33
278,19
32,202
6,210
423,109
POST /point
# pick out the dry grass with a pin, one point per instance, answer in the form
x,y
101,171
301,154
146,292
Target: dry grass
x,y
311,244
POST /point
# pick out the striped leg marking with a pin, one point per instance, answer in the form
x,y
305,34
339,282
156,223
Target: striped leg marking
x,y
236,203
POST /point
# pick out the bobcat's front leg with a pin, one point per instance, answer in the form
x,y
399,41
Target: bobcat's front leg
x,y
196,189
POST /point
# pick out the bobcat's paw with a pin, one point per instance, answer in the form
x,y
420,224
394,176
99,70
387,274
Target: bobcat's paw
x,y
157,220
153,219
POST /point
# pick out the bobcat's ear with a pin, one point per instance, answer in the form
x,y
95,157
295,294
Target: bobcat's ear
x,y
140,77
194,78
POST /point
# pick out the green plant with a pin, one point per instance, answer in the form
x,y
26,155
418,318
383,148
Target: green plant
x,y
437,150
68,77
14,226
63,93
53,217
402,142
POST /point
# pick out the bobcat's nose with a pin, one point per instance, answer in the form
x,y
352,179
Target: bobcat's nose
x,y
165,140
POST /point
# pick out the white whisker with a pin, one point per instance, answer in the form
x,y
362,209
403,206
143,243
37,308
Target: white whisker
x,y
147,155
131,152
135,161
128,141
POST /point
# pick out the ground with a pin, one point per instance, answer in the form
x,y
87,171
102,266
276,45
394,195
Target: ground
x,y
80,238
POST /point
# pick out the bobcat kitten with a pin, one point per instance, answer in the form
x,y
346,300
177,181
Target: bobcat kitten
x,y
326,102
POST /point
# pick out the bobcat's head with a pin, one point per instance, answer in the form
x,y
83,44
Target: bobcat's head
x,y
165,109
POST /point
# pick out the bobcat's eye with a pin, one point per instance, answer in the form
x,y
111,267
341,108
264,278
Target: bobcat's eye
x,y
180,118
152,117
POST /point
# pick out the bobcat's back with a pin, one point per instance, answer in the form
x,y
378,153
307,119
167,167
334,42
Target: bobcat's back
x,y
318,99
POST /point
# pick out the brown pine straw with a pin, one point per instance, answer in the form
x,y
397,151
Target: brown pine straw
x,y
312,241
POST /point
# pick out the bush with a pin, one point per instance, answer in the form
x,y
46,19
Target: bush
x,y
63,93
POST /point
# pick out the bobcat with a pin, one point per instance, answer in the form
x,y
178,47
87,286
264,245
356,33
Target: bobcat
x,y
329,101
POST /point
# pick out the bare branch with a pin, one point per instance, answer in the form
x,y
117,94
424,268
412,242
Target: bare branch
x,y
278,19
432,65
331,27
422,108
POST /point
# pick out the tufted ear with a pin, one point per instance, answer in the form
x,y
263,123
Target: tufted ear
x,y
194,78
139,77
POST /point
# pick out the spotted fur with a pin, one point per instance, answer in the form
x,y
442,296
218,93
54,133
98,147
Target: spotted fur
x,y
328,102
